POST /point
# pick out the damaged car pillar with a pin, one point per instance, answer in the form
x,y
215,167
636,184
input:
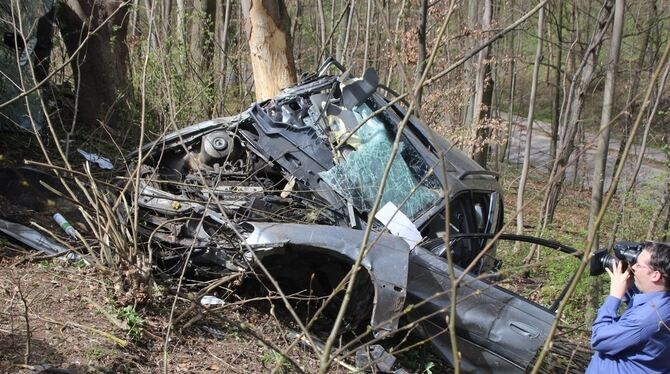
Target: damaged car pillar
x,y
297,176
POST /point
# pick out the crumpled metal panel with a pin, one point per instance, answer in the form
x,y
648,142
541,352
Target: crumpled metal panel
x,y
498,331
386,260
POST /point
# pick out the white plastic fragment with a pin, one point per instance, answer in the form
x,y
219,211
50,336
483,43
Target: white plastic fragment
x,y
103,162
209,300
398,224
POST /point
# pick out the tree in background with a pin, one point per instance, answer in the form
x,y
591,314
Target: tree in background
x,y
483,96
267,26
94,33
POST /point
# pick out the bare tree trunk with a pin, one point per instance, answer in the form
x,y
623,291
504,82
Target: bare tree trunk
x,y
221,33
294,35
637,75
421,57
202,32
483,97
322,25
132,26
512,90
504,153
181,18
556,96
332,28
367,34
396,33
340,46
267,27
600,159
473,22
150,14
101,67
345,45
529,126
570,123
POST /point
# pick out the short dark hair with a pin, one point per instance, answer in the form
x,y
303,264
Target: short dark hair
x,y
660,259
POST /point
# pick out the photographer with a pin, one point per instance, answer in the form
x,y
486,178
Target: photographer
x,y
639,339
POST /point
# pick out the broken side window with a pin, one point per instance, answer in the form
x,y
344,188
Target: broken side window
x,y
410,184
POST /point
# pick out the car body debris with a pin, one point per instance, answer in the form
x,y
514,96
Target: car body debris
x,y
35,240
102,162
291,182
375,359
31,238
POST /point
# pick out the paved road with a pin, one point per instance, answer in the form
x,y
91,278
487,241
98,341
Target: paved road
x,y
651,173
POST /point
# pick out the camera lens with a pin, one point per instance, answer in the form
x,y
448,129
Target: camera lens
x,y
626,252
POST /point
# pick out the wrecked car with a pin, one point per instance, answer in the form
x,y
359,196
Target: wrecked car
x,y
292,182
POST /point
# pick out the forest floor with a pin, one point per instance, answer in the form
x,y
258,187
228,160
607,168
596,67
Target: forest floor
x,y
76,326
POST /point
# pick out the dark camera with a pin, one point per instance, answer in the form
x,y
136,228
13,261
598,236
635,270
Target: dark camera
x,y
626,252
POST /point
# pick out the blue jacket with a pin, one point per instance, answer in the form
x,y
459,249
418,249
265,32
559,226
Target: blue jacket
x,y
638,341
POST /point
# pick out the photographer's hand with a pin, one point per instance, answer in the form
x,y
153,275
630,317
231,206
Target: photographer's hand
x,y
620,280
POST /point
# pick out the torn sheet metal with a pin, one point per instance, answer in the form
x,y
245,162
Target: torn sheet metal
x,y
386,260
102,162
498,331
375,359
31,238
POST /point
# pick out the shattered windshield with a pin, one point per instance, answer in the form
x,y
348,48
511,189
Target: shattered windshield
x,y
411,185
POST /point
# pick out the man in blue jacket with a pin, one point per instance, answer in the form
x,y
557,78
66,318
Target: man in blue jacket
x,y
637,341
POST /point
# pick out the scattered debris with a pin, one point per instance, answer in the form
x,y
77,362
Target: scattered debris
x,y
31,238
375,359
102,162
65,225
216,333
37,241
209,300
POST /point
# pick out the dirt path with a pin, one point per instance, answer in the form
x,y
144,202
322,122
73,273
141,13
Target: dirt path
x,y
651,171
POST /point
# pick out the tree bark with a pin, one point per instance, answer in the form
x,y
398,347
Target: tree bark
x,y
483,97
368,16
512,90
421,57
600,159
268,33
556,95
181,18
529,125
202,33
101,66
637,76
575,103
222,20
